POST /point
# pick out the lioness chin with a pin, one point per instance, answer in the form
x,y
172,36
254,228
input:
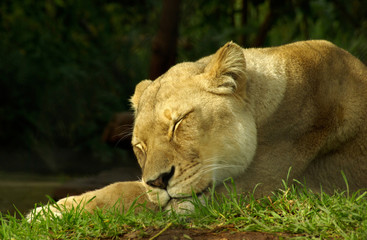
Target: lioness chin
x,y
248,114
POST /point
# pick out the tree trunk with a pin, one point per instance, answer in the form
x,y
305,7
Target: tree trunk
x,y
164,47
244,22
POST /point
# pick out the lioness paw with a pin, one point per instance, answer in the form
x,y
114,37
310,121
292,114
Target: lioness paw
x,y
42,212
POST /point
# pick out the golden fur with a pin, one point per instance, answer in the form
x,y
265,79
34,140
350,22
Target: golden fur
x,y
249,114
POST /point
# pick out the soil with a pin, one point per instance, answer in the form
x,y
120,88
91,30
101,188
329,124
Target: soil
x,y
222,233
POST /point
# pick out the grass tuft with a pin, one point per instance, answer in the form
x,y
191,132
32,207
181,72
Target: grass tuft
x,y
291,210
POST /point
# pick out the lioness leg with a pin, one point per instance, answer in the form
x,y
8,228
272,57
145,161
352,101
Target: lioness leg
x,y
320,170
277,161
351,158
121,195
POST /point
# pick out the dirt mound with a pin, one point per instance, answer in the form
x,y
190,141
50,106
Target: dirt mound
x,y
219,233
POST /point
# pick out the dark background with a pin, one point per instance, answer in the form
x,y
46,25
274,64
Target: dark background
x,y
66,67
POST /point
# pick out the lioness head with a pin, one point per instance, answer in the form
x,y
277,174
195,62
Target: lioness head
x,y
193,127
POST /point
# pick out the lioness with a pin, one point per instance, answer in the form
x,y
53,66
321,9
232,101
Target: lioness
x,y
248,114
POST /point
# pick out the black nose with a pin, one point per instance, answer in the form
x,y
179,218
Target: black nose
x,y
162,180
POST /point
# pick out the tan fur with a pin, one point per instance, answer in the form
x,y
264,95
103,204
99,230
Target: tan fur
x,y
250,114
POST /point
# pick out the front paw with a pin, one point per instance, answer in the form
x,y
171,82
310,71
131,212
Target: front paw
x,y
53,210
180,205
184,205
42,212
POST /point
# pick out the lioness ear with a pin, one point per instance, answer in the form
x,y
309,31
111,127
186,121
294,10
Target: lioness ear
x,y
226,70
139,89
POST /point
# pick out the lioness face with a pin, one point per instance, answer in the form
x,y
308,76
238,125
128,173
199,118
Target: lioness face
x,y
182,123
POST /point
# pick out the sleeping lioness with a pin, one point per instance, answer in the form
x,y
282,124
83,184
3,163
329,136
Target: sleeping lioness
x,y
248,114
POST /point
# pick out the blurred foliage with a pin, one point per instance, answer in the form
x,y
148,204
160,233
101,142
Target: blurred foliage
x,y
66,66
206,25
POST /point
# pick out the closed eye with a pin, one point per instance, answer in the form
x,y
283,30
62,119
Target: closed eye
x,y
177,124
140,154
173,128
140,147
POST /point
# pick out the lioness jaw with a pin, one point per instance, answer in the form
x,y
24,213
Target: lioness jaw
x,y
250,114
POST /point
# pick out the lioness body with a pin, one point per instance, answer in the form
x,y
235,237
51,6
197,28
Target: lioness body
x,y
250,114
310,106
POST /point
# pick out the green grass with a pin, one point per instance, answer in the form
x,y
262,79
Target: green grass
x,y
298,212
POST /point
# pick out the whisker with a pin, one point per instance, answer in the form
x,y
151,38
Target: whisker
x,y
126,133
218,166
